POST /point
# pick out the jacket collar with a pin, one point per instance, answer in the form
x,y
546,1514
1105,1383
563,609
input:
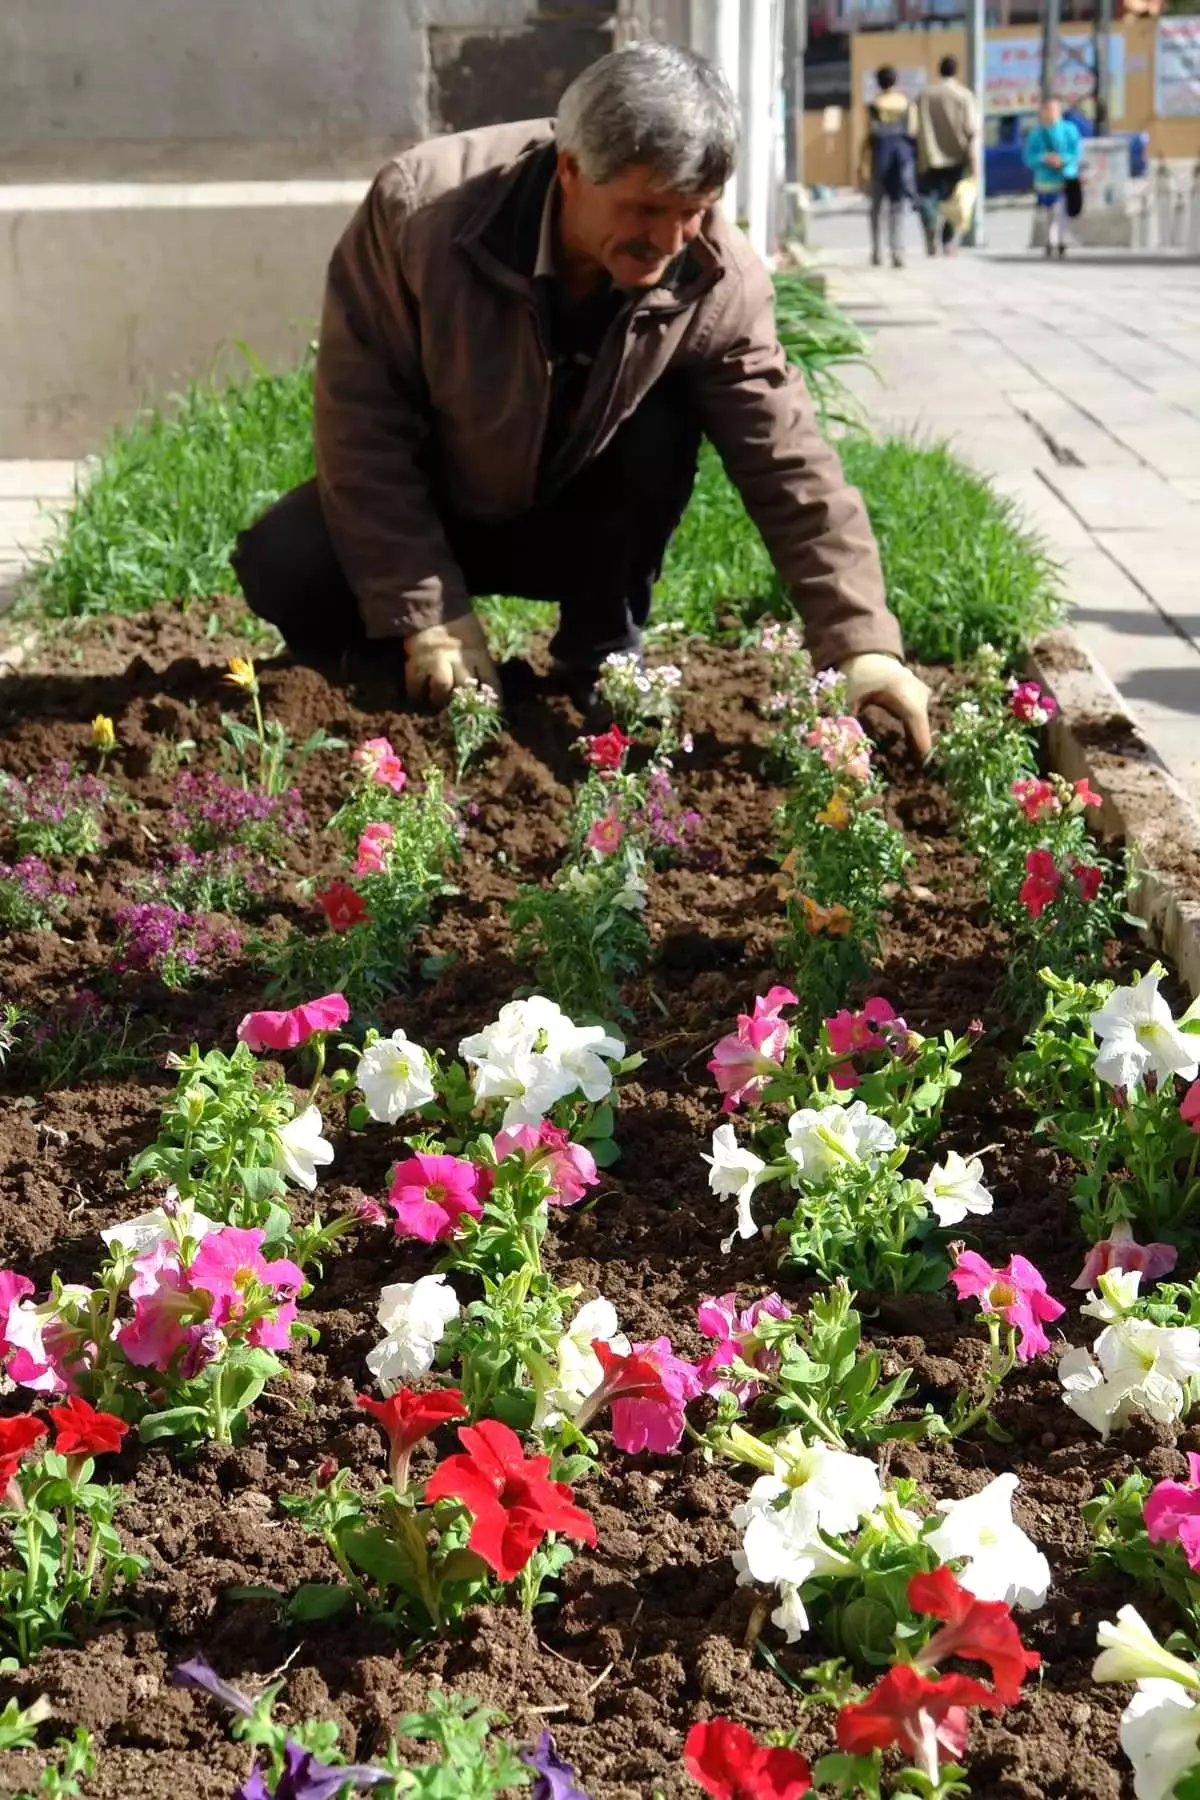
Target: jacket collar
x,y
502,234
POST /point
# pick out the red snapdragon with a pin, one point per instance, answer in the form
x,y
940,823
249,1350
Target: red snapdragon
x,y
343,906
1042,883
1035,797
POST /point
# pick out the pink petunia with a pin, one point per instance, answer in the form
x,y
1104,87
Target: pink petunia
x,y
431,1195
736,1340
374,844
1189,1107
745,1060
851,1032
1035,798
288,1030
647,1388
1017,1293
379,762
571,1167
1119,1251
13,1287
1042,882
1172,1512
247,1292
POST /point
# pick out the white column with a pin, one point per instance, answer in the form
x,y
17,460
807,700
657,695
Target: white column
x,y
725,48
760,121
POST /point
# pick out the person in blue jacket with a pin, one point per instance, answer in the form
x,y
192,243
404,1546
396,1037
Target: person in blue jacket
x,y
1052,152
889,162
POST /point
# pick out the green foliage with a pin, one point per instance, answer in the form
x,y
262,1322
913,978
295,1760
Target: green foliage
x,y
60,1780
866,1221
1115,1517
159,515
828,1382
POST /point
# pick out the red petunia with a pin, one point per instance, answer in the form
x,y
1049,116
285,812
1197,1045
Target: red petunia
x,y
16,1437
927,1719
511,1496
343,906
978,1630
729,1764
408,1417
82,1431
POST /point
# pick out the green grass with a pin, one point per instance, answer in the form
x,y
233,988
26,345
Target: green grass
x,y
171,492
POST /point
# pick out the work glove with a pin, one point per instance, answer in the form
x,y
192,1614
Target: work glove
x,y
878,679
444,657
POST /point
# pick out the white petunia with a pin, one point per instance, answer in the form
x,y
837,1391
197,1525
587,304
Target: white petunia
x,y
414,1314
300,1150
781,1548
1002,1562
734,1172
1087,1393
1137,1033
579,1372
1129,1651
819,1141
955,1188
150,1229
533,1056
835,1489
396,1077
1114,1294
1150,1364
1160,1734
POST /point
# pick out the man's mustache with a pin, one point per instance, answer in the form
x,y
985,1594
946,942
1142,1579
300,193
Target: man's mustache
x,y
642,252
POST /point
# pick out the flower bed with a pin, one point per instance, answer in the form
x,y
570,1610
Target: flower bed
x,y
647,1631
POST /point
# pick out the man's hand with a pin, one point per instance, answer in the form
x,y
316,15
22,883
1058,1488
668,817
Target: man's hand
x,y
444,657
874,677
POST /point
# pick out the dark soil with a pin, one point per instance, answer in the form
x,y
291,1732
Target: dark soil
x,y
649,1633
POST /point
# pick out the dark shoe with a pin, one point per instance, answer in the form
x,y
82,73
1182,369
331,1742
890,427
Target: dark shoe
x,y
1062,251
897,262
876,259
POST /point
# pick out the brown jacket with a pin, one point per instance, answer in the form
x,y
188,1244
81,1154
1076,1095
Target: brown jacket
x,y
433,380
947,126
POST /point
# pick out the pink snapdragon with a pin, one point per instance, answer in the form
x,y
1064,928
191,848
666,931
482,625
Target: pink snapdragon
x,y
288,1030
1084,795
570,1167
1031,705
1119,1251
379,762
1172,1512
1035,798
745,1060
1016,1293
648,1389
373,846
606,834
431,1195
843,745
737,1341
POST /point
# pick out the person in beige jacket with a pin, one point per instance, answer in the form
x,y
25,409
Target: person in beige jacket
x,y
527,330
948,149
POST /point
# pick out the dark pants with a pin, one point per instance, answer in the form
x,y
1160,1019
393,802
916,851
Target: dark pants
x,y
594,547
934,187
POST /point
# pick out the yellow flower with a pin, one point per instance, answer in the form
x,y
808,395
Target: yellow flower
x,y
104,735
837,813
830,921
240,673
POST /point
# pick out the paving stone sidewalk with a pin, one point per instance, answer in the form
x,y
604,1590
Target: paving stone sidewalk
x,y
30,495
1076,386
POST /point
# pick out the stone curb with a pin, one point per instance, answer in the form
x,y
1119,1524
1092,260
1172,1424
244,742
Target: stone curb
x,y
14,654
1093,734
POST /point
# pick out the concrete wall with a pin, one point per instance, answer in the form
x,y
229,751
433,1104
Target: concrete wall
x,y
192,89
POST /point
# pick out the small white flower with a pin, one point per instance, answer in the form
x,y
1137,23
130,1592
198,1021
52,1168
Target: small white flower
x,y
1087,1393
1002,1563
1129,1651
781,1548
1150,1365
300,1150
579,1368
819,1141
396,1077
534,1056
1160,1734
955,1188
790,1615
414,1314
734,1172
1137,1032
835,1489
1115,1293
150,1229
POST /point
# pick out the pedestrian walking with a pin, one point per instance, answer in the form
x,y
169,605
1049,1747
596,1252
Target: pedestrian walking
x,y
889,163
947,150
1052,152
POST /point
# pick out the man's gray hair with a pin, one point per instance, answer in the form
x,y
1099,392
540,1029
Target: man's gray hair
x,y
652,106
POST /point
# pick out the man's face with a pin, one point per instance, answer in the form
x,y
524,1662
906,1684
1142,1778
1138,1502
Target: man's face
x,y
631,226
1051,112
